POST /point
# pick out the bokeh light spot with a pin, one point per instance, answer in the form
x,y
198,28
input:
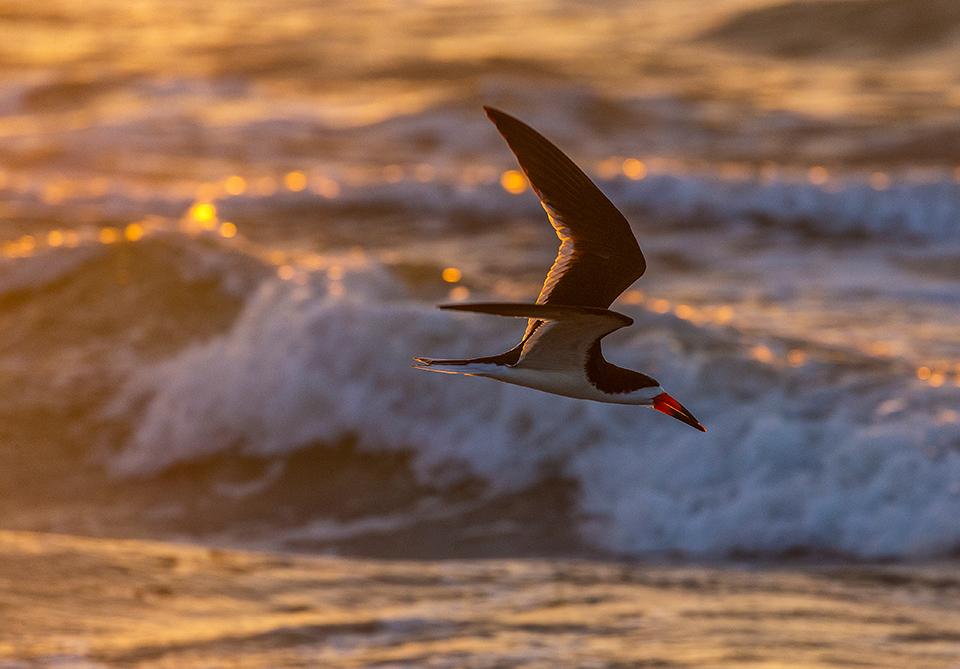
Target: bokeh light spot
x,y
948,416
235,185
133,232
228,230
513,181
724,314
459,293
108,235
295,181
818,175
204,213
879,181
326,187
634,169
393,173
608,168
660,305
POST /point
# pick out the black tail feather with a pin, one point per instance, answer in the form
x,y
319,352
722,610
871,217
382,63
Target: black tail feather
x,y
507,358
440,361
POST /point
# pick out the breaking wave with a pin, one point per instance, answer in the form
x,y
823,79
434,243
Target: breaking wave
x,y
840,455
851,207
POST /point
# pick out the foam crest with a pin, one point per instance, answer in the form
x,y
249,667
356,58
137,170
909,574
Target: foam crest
x,y
847,206
832,457
302,365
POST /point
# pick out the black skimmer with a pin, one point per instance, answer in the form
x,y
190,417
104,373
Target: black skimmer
x,y
598,259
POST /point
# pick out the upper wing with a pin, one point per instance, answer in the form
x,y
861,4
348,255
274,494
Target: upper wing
x,y
565,336
599,257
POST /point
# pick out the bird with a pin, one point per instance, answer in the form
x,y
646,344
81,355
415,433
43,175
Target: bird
x,y
598,258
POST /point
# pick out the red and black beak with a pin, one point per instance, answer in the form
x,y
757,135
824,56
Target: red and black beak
x,y
666,404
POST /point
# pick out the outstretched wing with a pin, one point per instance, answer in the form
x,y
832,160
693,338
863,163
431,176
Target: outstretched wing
x,y
599,257
566,334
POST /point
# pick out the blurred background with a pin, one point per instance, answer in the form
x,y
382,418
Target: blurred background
x,y
224,225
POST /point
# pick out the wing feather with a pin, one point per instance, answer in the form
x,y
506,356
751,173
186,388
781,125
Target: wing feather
x,y
598,256
565,336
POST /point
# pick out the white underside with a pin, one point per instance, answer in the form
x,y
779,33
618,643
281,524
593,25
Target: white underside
x,y
569,383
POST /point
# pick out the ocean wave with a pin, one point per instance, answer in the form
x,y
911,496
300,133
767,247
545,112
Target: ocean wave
x,y
843,456
185,326
873,28
844,208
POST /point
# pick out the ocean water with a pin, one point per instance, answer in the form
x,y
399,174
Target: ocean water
x,y
169,605
224,228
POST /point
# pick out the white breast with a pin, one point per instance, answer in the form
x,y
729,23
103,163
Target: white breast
x,y
569,383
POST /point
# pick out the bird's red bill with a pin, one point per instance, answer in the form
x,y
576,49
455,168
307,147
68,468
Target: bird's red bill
x,y
666,404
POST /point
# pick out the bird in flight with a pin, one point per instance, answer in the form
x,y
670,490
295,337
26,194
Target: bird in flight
x,y
598,259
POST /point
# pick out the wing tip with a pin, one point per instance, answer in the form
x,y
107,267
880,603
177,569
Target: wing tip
x,y
492,113
499,118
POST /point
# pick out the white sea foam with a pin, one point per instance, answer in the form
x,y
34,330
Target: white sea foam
x,y
835,457
925,210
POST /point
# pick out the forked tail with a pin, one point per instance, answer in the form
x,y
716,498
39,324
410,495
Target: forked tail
x,y
470,367
429,362
505,359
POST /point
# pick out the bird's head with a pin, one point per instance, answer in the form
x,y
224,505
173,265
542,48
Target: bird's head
x,y
664,403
